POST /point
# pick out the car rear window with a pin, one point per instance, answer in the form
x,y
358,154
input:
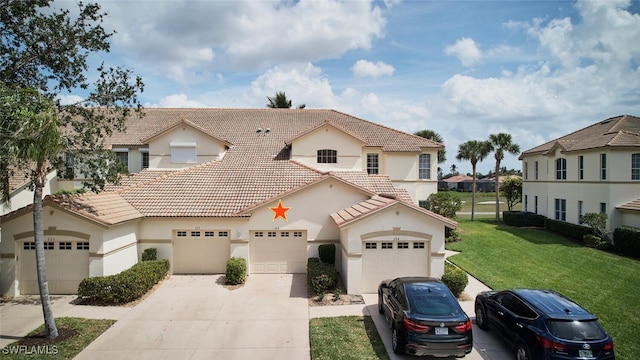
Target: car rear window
x,y
576,330
432,302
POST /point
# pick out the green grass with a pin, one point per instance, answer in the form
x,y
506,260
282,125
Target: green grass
x,y
86,330
604,283
345,337
482,197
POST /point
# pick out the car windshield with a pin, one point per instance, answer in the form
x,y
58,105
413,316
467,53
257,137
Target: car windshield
x,y
576,330
431,302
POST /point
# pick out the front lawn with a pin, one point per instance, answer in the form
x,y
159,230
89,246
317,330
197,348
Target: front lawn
x,y
74,334
606,284
345,337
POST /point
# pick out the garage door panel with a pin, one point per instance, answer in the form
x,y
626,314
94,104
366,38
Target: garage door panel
x,y
383,259
201,252
278,252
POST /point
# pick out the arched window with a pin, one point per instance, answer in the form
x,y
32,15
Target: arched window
x,y
561,169
327,156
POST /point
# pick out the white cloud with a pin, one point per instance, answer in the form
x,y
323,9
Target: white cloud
x,y
70,99
177,101
364,68
465,50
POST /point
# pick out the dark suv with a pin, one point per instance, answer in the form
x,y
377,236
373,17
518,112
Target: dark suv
x,y
425,317
542,324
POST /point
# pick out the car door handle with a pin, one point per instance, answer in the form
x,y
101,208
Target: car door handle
x,y
500,313
519,325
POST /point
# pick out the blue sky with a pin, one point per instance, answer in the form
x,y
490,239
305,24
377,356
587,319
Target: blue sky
x,y
465,69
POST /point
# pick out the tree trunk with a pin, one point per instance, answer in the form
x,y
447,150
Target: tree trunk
x,y
497,189
51,331
473,191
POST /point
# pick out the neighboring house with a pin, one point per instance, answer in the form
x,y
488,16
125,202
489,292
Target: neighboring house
x,y
595,169
266,185
453,183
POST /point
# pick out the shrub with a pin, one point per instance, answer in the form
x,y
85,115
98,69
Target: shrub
x,y
321,276
520,219
455,278
236,271
576,232
327,253
124,287
150,254
444,203
627,241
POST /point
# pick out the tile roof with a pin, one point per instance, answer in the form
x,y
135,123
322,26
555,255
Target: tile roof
x,y
377,203
255,168
107,208
631,205
620,131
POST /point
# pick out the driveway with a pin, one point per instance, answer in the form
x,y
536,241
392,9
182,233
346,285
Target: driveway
x,y
188,318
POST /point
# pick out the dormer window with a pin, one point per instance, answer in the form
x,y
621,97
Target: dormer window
x,y
327,156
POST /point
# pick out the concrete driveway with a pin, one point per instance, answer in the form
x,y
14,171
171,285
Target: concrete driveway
x,y
188,318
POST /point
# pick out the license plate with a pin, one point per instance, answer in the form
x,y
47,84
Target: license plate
x,y
442,331
585,353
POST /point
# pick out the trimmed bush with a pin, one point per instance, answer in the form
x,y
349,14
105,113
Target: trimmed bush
x,y
455,278
576,232
327,253
150,254
590,240
321,276
124,287
627,241
521,219
236,271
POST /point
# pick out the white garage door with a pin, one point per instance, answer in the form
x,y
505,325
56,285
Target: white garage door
x,y
67,264
386,259
201,251
278,252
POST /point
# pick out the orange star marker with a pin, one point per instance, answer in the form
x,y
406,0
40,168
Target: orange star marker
x,y
280,211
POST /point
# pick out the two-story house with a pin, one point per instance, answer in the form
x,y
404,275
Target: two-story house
x,y
595,169
266,185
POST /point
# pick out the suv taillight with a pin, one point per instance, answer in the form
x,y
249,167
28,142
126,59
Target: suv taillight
x,y
550,344
463,328
411,325
608,346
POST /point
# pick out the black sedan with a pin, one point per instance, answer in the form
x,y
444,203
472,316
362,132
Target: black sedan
x,y
425,318
542,324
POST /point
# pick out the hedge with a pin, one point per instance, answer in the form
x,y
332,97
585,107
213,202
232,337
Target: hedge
x,y
576,232
150,254
627,241
455,278
321,276
236,271
327,253
520,219
124,287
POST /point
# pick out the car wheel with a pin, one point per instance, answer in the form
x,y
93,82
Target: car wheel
x,y
380,309
481,317
398,342
522,352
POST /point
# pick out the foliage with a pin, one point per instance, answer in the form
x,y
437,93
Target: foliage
x,y
86,331
70,191
520,219
236,271
512,189
444,203
474,151
434,136
570,230
455,278
150,254
627,241
123,287
280,101
598,222
504,257
501,143
451,234
321,276
327,253
345,338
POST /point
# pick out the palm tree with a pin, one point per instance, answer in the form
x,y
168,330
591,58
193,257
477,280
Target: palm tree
x,y
454,170
500,143
433,136
474,151
279,101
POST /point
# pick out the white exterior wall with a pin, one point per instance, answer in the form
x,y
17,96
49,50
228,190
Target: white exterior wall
x,y
615,190
119,249
22,196
402,169
396,218
349,149
207,148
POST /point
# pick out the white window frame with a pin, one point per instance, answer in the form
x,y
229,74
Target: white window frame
x,y
373,163
635,166
184,152
424,166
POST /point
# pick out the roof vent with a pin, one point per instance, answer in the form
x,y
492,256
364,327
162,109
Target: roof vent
x,y
267,130
259,130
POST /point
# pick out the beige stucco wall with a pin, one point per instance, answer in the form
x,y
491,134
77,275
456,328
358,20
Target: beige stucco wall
x,y
349,149
207,148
